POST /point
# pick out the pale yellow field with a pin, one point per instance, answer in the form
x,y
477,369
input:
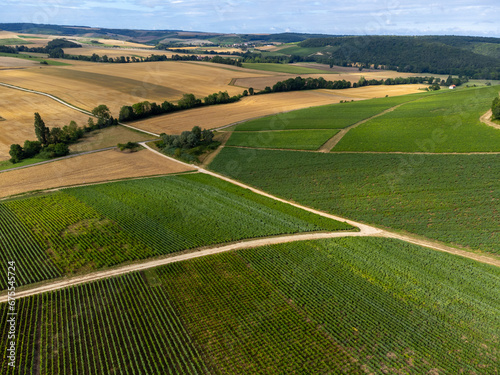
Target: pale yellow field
x,y
263,105
108,137
114,52
114,42
115,85
18,108
12,62
260,83
97,167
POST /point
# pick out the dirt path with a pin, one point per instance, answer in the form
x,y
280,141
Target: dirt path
x,y
223,140
332,142
486,119
364,230
99,275
70,106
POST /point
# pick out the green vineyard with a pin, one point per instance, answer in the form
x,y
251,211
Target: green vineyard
x,y
86,228
448,122
349,305
287,139
335,116
457,205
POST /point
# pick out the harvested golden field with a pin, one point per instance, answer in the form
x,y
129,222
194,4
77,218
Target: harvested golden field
x,y
108,137
263,105
113,42
114,52
115,85
18,108
13,62
260,83
96,167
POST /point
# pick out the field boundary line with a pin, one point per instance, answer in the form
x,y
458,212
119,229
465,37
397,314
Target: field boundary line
x,y
246,244
370,152
332,142
71,106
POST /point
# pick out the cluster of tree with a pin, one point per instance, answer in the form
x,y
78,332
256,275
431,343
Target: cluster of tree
x,y
53,142
54,48
146,109
299,83
7,49
495,108
406,54
189,144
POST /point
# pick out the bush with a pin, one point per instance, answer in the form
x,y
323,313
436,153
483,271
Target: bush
x,y
54,150
495,109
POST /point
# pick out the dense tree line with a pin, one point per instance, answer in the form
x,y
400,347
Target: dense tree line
x,y
299,83
146,109
53,142
406,54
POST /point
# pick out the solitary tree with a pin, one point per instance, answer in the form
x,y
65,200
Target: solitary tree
x,y
102,111
41,131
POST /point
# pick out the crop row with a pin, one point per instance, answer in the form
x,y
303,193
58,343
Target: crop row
x,y
175,213
244,325
75,235
118,326
104,225
348,305
448,122
452,198
390,302
18,244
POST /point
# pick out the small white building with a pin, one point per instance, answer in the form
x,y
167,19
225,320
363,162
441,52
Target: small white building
x,y
452,87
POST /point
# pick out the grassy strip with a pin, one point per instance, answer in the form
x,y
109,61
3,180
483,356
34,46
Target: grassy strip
x,y
4,165
28,57
293,139
13,42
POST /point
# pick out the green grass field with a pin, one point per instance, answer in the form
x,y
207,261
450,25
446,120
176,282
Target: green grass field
x,y
31,58
85,228
13,42
348,305
448,122
5,164
333,116
284,68
451,198
288,139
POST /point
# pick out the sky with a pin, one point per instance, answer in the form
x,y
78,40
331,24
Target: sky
x,y
357,17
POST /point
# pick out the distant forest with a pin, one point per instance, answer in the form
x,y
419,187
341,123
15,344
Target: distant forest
x,y
467,56
427,54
